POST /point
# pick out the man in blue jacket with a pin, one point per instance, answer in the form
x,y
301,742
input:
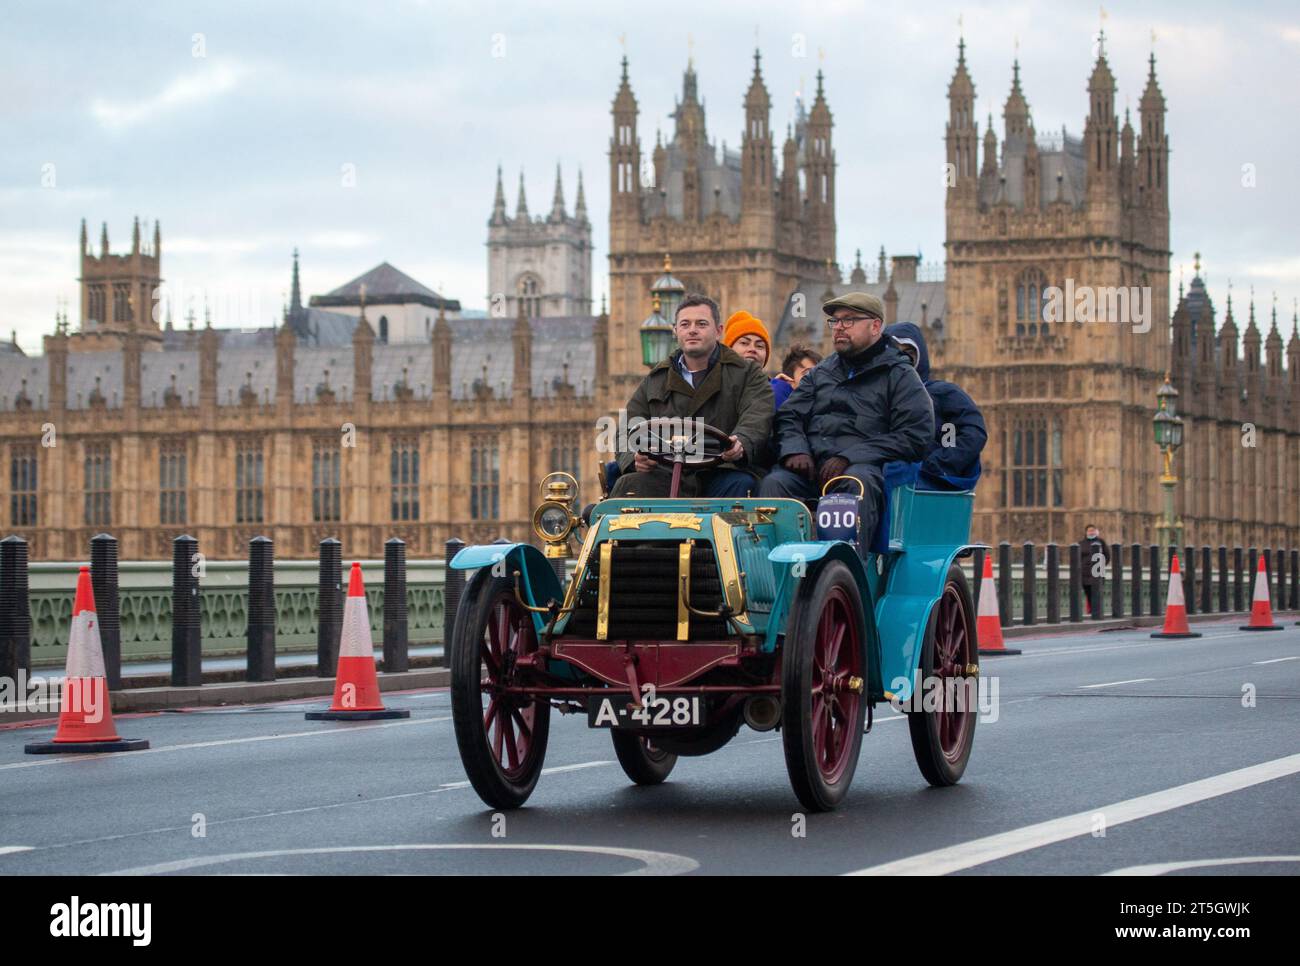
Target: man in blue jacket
x,y
953,461
863,407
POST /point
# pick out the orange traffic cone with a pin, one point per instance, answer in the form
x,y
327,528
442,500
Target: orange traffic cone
x,y
1176,607
988,622
1261,610
85,714
356,686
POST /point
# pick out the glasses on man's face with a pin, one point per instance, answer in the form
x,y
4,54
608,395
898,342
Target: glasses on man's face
x,y
832,322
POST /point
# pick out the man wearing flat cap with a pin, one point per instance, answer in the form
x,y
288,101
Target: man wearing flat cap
x,y
862,407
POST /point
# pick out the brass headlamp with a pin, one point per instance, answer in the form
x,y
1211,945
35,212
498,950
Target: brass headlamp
x,y
554,519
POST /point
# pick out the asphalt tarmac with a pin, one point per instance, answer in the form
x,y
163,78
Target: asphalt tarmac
x,y
1110,752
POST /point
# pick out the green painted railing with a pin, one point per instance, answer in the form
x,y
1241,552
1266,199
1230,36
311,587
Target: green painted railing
x,y
145,605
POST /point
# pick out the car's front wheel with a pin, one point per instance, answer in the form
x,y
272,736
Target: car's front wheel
x,y
823,667
501,736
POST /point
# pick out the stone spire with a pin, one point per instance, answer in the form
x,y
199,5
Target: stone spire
x,y
521,207
499,216
580,208
295,290
557,214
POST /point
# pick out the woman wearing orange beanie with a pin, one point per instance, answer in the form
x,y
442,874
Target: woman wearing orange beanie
x,y
748,336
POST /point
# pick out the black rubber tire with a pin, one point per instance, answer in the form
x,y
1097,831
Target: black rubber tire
x,y
643,762
939,769
492,782
797,678
702,741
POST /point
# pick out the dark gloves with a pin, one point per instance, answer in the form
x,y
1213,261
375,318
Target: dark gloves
x,y
833,467
800,463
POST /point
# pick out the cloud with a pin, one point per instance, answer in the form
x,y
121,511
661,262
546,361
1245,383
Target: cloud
x,y
193,88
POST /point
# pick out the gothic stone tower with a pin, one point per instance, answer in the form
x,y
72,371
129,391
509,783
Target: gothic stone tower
x,y
736,229
1068,400
117,291
546,263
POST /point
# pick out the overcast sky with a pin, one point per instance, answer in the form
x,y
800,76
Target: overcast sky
x,y
240,152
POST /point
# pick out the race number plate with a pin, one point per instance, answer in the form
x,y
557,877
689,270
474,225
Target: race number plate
x,y
656,712
837,517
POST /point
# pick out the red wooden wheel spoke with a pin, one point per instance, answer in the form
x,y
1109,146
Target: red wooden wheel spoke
x,y
490,713
819,730
512,753
837,638
493,667
525,732
498,734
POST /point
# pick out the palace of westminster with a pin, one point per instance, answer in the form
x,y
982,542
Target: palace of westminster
x,y
382,409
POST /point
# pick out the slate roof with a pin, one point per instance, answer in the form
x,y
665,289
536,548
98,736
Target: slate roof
x,y
16,367
385,285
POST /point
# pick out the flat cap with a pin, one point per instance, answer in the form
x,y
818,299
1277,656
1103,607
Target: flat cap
x,y
862,302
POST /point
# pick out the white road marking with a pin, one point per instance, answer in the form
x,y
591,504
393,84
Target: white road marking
x,y
1278,660
1111,684
967,855
353,729
578,767
653,863
1160,868
8,849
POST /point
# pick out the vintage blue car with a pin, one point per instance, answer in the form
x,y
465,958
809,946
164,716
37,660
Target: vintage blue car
x,y
686,618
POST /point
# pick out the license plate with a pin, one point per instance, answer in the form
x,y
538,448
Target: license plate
x,y
655,712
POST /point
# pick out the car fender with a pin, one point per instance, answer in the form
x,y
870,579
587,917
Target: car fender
x,y
913,587
797,561
538,584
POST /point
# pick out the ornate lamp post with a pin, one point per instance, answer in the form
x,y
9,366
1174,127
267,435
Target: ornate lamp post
x,y
656,338
1168,427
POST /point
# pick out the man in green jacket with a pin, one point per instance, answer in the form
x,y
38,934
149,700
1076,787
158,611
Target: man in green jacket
x,y
706,381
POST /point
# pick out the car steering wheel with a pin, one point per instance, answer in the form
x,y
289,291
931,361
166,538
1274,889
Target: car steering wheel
x,y
708,443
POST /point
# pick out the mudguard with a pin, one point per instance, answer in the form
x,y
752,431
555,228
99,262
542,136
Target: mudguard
x,y
788,557
538,584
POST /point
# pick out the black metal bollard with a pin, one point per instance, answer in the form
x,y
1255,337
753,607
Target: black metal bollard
x,y
1279,576
1076,609
1189,578
103,580
396,652
1028,585
1135,578
15,609
1268,574
1153,583
1237,564
1116,580
1223,579
1053,563
1004,583
1295,579
453,585
329,607
978,559
187,641
261,609
1207,582
1248,589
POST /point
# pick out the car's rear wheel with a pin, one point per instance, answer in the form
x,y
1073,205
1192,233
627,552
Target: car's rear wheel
x,y
823,668
501,737
642,759
942,737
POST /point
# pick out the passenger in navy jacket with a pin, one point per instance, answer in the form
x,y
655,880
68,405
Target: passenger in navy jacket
x,y
953,461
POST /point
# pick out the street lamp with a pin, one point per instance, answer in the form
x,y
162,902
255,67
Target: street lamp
x,y
656,337
669,290
1168,428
